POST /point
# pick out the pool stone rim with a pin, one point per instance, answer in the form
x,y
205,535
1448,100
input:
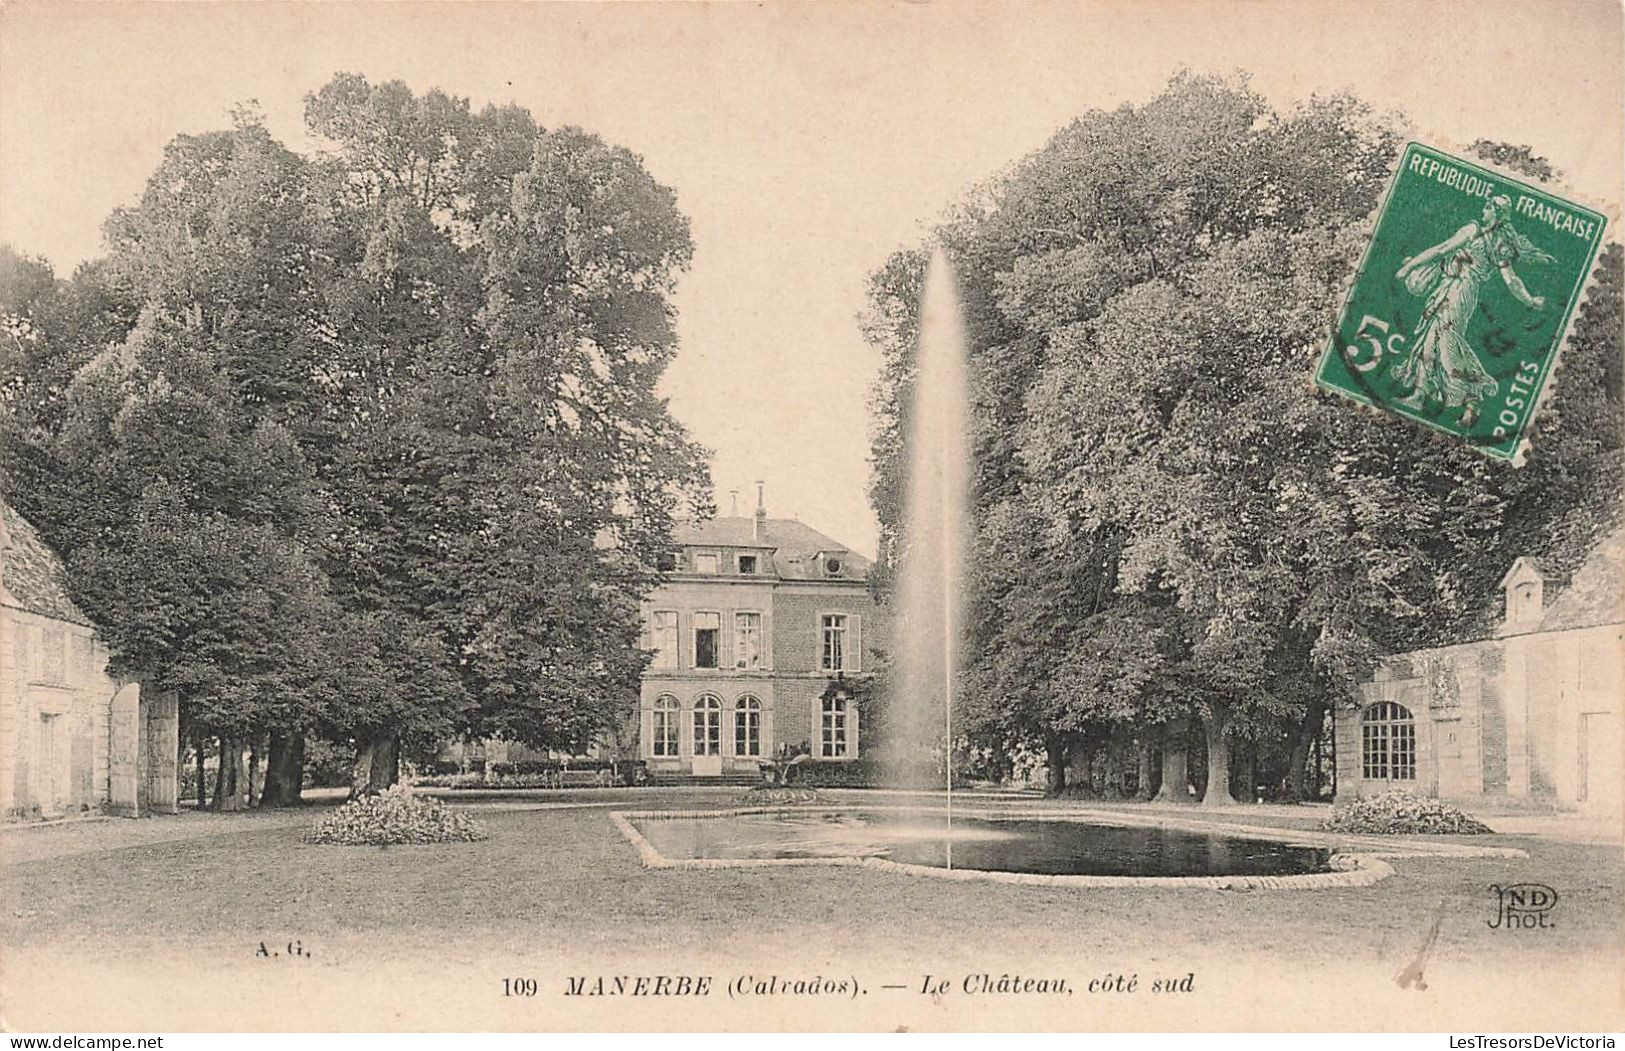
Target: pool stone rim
x,y
1361,867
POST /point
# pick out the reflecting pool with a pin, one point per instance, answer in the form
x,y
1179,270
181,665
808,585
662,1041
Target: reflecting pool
x,y
1033,845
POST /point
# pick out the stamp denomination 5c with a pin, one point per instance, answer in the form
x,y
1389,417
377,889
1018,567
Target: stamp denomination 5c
x,y
1461,302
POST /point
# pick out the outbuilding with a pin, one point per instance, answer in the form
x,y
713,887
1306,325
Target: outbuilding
x,y
73,738
1532,714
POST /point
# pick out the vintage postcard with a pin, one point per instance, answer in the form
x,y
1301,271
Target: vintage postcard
x,y
689,517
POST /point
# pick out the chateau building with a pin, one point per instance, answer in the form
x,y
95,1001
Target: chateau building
x,y
1533,713
759,630
73,739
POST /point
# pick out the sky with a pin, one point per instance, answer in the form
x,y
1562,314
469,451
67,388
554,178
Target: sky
x,y
805,141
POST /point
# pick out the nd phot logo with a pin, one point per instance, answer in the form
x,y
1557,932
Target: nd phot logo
x,y
1523,906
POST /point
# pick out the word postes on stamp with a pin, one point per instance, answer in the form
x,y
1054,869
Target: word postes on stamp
x,y
1462,299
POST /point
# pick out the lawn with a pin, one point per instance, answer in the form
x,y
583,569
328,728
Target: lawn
x,y
558,891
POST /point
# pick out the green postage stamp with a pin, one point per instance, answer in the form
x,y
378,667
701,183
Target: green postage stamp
x,y
1461,302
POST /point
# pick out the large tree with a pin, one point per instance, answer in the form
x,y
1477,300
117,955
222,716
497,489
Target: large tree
x,y
1148,295
390,408
501,465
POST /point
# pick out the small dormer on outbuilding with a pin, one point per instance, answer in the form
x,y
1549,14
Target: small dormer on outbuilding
x,y
1525,588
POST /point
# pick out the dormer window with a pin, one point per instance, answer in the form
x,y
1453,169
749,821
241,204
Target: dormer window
x,y
832,565
747,565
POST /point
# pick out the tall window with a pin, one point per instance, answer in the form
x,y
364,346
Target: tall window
x,y
707,639
663,628
834,727
665,727
1388,743
748,726
834,649
707,726
748,641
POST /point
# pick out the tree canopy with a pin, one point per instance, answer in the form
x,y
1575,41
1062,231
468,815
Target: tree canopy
x,y
1170,521
366,442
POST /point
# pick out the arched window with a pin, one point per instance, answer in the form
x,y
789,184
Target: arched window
x,y
834,735
665,727
1388,743
748,726
707,725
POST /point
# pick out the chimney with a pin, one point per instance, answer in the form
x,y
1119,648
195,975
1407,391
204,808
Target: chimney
x,y
733,503
761,512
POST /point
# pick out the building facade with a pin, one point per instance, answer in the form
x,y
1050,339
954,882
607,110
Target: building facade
x,y
1532,714
759,630
73,739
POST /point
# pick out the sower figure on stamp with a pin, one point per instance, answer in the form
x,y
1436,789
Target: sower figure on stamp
x,y
1441,366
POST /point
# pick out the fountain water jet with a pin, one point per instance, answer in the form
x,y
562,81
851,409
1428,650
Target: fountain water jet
x,y
935,532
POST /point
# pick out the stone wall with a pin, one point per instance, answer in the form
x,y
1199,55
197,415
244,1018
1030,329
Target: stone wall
x,y
66,745
1529,716
54,706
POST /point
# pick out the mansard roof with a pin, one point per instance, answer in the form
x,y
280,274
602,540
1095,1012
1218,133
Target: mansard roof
x,y
795,545
32,577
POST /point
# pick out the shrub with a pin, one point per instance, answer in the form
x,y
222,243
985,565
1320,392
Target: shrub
x,y
1397,813
394,816
864,773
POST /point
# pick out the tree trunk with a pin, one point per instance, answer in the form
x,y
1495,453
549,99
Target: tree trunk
x,y
1080,773
228,791
386,763
377,765
1244,782
1304,736
1196,759
183,734
1216,729
1146,787
1314,770
253,767
284,769
1174,775
219,773
1116,760
361,771
1055,755
202,779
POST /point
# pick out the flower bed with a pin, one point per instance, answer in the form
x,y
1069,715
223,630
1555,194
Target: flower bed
x,y
392,817
1400,813
772,795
